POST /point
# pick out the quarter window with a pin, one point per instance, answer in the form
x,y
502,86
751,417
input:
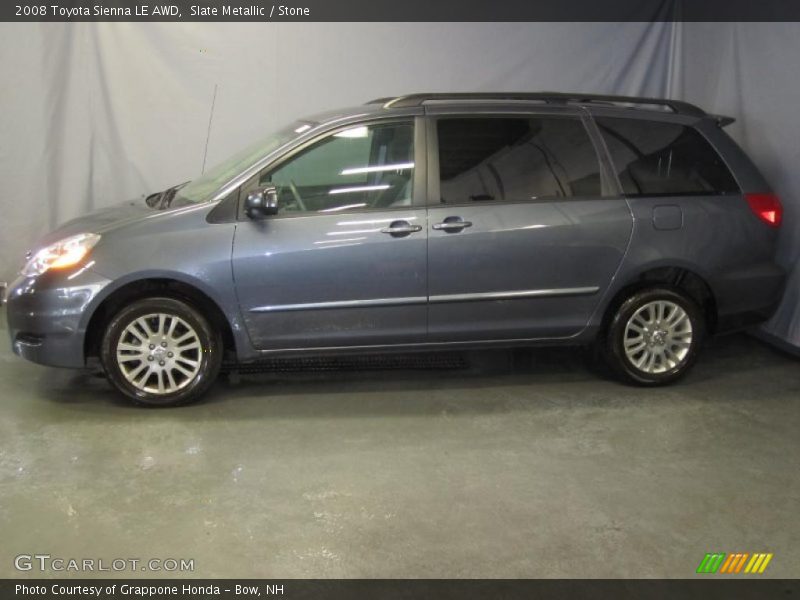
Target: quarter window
x,y
515,159
654,158
361,168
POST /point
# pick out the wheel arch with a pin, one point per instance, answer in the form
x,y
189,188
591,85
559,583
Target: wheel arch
x,y
136,289
683,278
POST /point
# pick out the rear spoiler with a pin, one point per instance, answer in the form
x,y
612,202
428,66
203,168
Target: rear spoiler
x,y
721,120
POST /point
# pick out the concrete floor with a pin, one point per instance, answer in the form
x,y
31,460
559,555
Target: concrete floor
x,y
536,468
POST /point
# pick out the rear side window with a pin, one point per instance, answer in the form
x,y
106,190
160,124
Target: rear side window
x,y
515,159
659,159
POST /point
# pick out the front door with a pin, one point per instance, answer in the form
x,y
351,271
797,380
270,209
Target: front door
x,y
523,241
344,262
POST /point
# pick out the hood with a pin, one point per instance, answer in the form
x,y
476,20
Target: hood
x,y
102,220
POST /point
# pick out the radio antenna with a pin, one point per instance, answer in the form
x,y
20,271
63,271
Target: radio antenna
x,y
208,133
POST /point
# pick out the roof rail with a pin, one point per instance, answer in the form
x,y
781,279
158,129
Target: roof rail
x,y
676,106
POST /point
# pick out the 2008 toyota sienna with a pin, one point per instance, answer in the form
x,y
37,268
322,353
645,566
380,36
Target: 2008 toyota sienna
x,y
418,222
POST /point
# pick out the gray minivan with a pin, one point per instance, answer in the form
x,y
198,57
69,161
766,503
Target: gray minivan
x,y
427,221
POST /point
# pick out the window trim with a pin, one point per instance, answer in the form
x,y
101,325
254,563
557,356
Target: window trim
x,y
609,187
700,194
419,195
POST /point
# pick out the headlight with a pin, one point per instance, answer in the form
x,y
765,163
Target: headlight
x,y
61,255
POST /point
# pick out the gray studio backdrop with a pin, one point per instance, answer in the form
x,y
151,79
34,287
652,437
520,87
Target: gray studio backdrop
x,y
95,113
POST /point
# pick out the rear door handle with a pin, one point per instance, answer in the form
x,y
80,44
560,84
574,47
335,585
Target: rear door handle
x,y
401,228
452,225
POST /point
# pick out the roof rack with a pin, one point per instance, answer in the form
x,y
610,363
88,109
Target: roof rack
x,y
676,106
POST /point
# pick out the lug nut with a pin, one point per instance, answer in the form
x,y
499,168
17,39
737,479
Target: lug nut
x,y
163,344
170,354
150,358
161,362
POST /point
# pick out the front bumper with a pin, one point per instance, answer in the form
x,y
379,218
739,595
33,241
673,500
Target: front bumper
x,y
48,316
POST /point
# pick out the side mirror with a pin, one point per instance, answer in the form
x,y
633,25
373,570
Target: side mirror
x,y
261,203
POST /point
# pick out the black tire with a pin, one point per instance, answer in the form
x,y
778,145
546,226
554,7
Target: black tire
x,y
666,367
202,360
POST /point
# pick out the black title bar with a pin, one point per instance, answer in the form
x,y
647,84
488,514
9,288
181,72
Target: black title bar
x,y
708,588
402,10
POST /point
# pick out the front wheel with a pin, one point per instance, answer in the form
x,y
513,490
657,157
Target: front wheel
x,y
161,352
654,336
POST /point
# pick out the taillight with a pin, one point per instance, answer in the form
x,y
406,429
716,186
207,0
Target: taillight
x,y
766,207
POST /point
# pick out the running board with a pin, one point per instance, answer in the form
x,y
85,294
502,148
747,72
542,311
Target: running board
x,y
386,362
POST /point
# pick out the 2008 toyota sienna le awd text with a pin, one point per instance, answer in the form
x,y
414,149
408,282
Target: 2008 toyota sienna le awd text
x,y
426,221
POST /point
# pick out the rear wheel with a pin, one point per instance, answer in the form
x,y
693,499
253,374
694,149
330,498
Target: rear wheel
x,y
654,336
161,352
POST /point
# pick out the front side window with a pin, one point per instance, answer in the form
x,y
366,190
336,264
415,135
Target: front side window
x,y
654,158
515,159
361,168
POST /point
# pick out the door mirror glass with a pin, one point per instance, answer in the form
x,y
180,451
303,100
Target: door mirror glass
x,y
261,203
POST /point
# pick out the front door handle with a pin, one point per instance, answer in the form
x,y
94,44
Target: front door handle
x,y
401,228
452,225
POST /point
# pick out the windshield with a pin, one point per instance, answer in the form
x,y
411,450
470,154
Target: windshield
x,y
201,189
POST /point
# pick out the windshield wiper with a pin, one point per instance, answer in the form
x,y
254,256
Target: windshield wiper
x,y
162,200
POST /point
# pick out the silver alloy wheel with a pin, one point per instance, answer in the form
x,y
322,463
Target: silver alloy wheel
x,y
159,353
658,337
